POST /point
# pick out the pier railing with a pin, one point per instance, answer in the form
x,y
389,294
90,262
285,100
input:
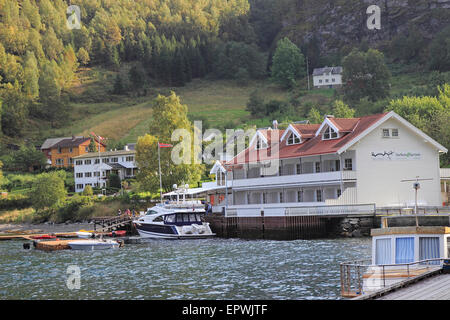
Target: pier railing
x,y
361,277
294,209
103,224
405,211
332,210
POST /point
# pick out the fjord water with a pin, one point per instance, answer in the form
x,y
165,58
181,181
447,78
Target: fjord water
x,y
177,269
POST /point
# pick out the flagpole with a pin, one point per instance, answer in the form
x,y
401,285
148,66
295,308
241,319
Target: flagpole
x,y
160,180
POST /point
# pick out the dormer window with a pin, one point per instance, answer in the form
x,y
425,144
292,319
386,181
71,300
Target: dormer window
x,y
260,144
329,133
293,139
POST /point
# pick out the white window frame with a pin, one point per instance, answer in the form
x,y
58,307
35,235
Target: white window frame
x,y
260,144
293,139
330,134
392,133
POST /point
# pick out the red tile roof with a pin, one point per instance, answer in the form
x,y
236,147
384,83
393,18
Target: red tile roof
x,y
311,145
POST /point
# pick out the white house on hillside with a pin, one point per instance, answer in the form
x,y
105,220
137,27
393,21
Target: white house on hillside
x,y
327,77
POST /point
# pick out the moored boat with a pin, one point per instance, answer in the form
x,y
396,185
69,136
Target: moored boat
x,y
174,221
84,234
90,245
117,233
44,237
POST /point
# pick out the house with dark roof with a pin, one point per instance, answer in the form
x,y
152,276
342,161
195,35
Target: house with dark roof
x,y
339,163
61,151
327,77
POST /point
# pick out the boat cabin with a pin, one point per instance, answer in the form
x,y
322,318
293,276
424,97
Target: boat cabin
x,y
176,218
399,245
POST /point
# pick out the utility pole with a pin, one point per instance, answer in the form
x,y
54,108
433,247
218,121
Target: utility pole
x,y
416,187
307,70
160,179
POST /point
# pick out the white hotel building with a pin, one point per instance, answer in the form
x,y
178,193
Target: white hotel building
x,y
341,162
94,168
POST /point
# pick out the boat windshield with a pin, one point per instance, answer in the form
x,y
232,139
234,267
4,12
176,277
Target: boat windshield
x,y
149,212
183,217
170,218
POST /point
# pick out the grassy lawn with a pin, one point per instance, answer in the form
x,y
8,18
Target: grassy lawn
x,y
127,117
17,215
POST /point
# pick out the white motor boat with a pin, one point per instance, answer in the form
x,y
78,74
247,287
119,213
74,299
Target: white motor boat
x,y
84,234
174,221
93,244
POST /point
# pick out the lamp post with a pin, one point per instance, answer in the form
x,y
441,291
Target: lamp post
x,y
416,187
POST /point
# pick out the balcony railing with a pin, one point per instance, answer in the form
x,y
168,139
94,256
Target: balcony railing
x,y
305,178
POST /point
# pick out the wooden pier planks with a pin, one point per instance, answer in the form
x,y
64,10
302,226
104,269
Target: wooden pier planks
x,y
435,288
28,236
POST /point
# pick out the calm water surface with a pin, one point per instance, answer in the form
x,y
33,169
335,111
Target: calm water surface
x,y
172,269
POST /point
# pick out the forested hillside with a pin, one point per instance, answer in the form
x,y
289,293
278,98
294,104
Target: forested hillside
x,y
167,43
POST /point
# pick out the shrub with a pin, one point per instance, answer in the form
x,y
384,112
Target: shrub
x,y
88,191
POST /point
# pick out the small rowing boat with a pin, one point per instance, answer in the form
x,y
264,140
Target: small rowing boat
x,y
118,233
84,234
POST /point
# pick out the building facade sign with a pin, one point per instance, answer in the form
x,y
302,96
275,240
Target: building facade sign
x,y
395,155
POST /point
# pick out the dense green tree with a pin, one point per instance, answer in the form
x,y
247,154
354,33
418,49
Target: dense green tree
x,y
14,111
31,76
440,51
51,107
26,159
114,181
288,64
83,56
314,116
48,191
430,114
178,164
342,110
365,74
52,45
88,191
137,77
119,86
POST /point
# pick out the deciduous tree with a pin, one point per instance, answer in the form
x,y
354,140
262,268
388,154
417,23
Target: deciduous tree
x,y
288,64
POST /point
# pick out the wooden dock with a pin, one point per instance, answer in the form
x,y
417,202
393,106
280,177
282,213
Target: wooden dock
x,y
28,236
434,288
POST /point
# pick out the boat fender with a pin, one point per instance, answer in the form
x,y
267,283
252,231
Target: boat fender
x,y
34,243
26,246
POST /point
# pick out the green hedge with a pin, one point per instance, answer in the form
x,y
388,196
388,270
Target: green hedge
x,y
15,202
